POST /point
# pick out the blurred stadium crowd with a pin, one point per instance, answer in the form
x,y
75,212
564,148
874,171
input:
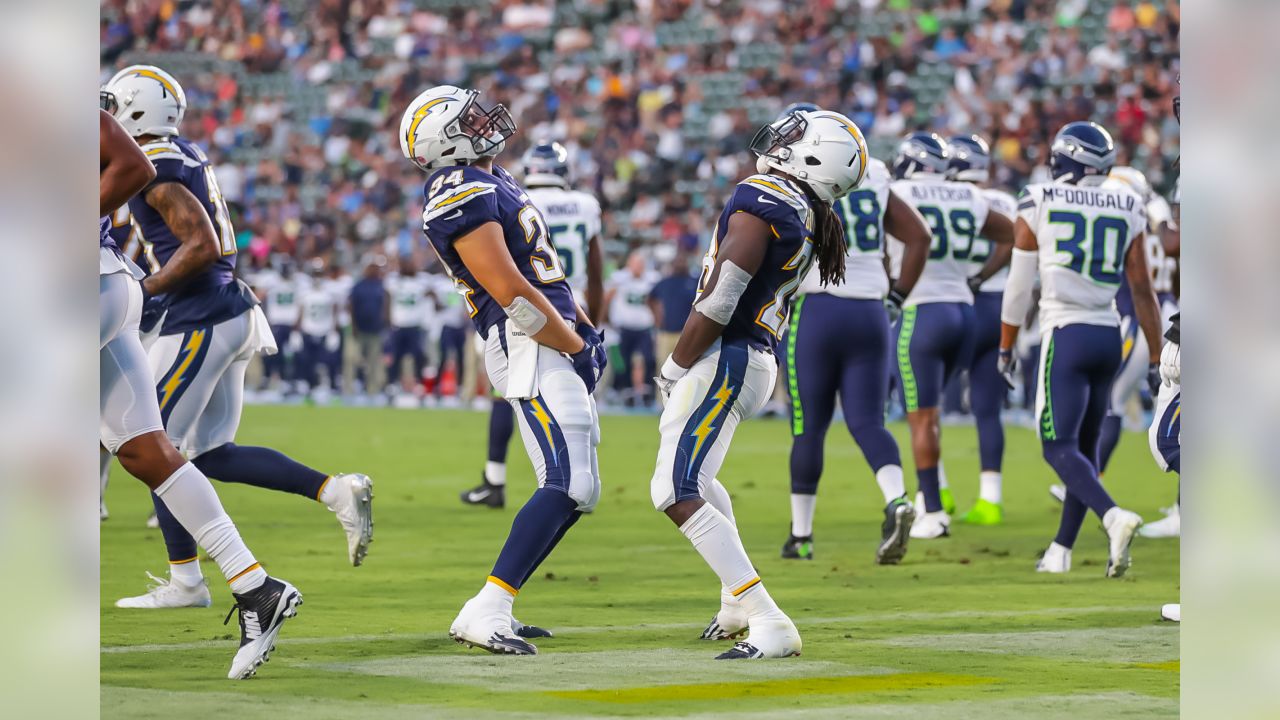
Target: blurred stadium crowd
x,y
297,101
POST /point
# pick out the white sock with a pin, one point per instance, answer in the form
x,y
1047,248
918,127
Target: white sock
x,y
496,594
757,602
104,470
942,476
716,540
989,482
889,478
802,507
495,473
186,574
327,492
718,496
195,505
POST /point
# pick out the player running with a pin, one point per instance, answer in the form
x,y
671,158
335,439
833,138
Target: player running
x,y
970,162
936,329
722,369
131,425
541,352
573,219
210,326
837,345
1082,235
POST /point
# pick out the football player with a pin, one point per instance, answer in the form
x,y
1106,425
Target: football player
x,y
837,345
971,163
210,325
131,425
1082,234
573,219
723,369
936,329
541,351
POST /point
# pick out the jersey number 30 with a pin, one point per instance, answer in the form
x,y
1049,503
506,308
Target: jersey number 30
x,y
1095,250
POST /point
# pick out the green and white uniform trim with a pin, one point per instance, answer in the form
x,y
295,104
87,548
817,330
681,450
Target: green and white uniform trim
x,y
904,359
793,380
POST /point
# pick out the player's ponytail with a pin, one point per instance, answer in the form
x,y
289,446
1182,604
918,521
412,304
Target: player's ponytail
x,y
829,244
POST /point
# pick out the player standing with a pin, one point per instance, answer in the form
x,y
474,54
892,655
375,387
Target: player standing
x,y
574,222
936,329
131,425
723,369
540,350
838,345
211,327
1081,235
970,162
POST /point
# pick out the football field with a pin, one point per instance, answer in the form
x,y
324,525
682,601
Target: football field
x,y
963,628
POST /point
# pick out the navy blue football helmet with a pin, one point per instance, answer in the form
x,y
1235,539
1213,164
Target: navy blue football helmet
x,y
546,163
921,152
1080,150
970,159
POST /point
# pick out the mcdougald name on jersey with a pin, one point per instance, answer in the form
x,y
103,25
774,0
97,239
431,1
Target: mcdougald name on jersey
x,y
1090,197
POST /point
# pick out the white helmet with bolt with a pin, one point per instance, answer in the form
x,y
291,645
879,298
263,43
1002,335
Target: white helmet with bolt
x,y
146,100
447,126
821,148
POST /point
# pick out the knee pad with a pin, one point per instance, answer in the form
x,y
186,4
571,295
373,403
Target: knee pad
x,y
584,489
661,489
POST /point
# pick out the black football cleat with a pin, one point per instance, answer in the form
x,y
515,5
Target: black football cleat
x,y
899,515
798,548
263,611
486,493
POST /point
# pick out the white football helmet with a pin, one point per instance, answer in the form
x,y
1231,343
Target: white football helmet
x,y
1134,179
447,126
146,100
821,148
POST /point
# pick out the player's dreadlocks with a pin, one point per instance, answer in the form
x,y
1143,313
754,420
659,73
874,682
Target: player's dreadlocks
x,y
829,244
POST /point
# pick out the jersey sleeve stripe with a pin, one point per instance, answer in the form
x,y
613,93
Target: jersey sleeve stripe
x,y
778,191
458,196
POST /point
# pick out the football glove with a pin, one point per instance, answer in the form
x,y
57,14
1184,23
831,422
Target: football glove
x,y
1153,378
1007,365
667,378
975,284
893,305
589,362
153,309
1171,364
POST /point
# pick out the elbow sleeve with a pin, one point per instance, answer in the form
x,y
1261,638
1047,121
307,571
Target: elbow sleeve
x,y
1017,291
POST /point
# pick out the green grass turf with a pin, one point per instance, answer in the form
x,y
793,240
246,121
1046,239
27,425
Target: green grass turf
x,y
963,628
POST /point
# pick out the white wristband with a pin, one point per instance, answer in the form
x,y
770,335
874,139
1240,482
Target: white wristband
x,y
672,371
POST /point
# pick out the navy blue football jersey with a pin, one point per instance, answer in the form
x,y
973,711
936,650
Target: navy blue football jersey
x,y
213,295
763,309
461,199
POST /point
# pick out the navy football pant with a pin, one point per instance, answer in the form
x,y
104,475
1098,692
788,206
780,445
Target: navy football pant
x,y
837,347
453,341
406,342
630,344
502,425
987,390
277,364
934,341
1077,366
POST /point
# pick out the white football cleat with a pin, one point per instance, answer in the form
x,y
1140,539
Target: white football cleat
x,y
730,622
1170,526
1171,612
350,497
1057,559
931,525
1121,525
162,593
771,636
102,510
488,628
263,611
1058,491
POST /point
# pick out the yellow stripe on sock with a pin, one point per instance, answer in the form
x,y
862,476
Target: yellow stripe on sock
x,y
246,571
322,487
746,587
184,562
502,584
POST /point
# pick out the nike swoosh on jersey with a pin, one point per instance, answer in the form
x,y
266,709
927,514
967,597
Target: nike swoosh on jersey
x,y
456,214
764,199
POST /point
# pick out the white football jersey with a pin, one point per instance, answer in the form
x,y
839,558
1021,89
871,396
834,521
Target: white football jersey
x,y
1083,233
409,303
1003,203
955,213
630,307
319,311
573,218
281,297
862,212
453,311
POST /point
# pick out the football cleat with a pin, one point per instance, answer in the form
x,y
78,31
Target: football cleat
x,y
931,525
729,623
529,631
1170,526
263,611
1171,612
102,510
772,636
351,500
899,515
488,629
798,548
1056,559
984,512
162,593
153,521
1058,491
486,493
1121,525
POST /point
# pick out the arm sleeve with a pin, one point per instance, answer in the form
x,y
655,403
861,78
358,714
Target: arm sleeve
x,y
1017,291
